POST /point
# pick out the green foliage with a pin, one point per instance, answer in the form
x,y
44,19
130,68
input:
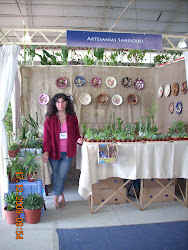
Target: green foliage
x,y
13,146
30,164
10,199
33,201
177,127
99,53
138,55
32,122
120,122
88,59
166,57
8,120
14,166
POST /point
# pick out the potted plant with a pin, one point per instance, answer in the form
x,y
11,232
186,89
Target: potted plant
x,y
31,166
14,166
13,149
32,205
10,210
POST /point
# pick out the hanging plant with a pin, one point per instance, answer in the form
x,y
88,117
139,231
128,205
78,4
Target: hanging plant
x,y
136,55
99,53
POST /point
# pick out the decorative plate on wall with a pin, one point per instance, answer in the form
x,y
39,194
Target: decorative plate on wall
x,y
96,82
179,107
132,99
171,108
139,84
167,90
102,98
43,99
183,87
160,91
79,81
111,82
61,82
175,89
85,99
117,100
126,82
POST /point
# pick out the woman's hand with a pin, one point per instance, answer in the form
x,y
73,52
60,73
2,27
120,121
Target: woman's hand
x,y
80,141
45,156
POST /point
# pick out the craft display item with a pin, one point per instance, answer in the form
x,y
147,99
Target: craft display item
x,y
43,99
179,107
175,89
111,82
139,84
117,100
96,82
79,81
85,99
132,99
61,82
160,91
167,90
102,98
171,107
183,87
107,153
126,82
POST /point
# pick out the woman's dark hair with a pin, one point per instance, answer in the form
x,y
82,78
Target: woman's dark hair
x,y
52,110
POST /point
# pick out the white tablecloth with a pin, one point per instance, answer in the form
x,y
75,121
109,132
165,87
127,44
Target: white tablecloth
x,y
136,160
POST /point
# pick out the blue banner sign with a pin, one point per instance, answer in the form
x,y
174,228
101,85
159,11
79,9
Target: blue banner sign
x,y
113,40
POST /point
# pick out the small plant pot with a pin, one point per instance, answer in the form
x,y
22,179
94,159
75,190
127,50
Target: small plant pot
x,y
32,216
13,153
31,177
14,179
11,216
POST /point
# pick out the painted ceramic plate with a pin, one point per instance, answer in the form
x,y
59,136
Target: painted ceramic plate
x,y
70,97
96,82
183,87
43,99
79,81
102,98
179,107
117,100
171,108
85,99
160,91
167,90
139,84
175,89
126,82
132,99
61,82
111,82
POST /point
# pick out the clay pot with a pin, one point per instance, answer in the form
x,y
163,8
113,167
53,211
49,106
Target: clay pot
x,y
32,216
11,216
13,153
14,179
31,178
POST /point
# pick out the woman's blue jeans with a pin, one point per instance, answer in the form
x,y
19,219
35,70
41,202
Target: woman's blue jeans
x,y
60,170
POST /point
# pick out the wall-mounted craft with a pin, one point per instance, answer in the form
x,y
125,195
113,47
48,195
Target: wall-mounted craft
x,y
102,98
179,107
117,100
171,108
175,89
139,84
132,99
167,90
111,82
85,99
160,91
61,82
183,87
126,82
79,81
96,82
43,99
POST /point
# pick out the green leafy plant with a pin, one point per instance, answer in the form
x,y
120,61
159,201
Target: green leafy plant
x,y
33,201
99,53
119,122
14,166
32,122
11,199
136,55
30,164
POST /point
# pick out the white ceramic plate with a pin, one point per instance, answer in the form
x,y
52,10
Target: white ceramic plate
x,y
111,82
43,99
167,90
85,99
160,91
117,100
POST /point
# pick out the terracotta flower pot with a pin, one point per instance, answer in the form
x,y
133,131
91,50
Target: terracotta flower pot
x,y
32,216
14,179
13,153
31,177
11,216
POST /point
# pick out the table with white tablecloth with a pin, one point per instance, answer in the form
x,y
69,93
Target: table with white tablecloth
x,y
136,160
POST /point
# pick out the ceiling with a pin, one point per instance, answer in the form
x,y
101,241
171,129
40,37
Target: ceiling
x,y
137,16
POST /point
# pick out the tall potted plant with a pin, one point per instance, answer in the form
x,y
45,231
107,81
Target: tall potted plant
x,y
10,210
32,205
14,167
31,166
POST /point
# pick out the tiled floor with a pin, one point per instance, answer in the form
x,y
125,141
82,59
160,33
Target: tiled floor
x,y
76,214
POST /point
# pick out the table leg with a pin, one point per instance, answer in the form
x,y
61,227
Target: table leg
x,y
141,193
186,192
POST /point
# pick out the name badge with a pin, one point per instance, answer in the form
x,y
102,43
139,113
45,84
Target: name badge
x,y
63,135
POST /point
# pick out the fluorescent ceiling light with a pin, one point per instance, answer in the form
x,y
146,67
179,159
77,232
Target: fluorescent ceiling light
x,y
182,44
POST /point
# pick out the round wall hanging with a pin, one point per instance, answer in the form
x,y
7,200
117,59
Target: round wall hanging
x,y
79,81
160,91
126,82
179,107
139,84
43,99
132,99
175,89
183,87
85,99
61,82
102,98
167,90
96,82
171,108
117,100
111,82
